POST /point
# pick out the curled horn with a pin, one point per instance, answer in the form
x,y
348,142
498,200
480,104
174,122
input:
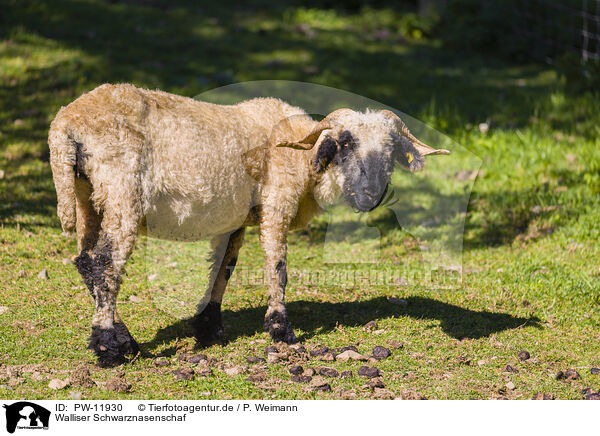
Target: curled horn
x,y
421,147
309,141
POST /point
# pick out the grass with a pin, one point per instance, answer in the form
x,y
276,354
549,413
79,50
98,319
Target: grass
x,y
531,277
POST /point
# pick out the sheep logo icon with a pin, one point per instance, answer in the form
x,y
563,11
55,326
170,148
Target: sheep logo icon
x,y
26,415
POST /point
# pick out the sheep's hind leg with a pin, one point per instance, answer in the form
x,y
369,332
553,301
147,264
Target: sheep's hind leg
x,y
208,324
101,268
110,338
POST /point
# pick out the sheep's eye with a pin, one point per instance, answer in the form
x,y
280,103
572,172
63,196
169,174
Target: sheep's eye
x,y
346,139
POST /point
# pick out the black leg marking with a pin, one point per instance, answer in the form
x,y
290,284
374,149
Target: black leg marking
x,y
279,327
101,262
84,265
230,267
112,344
92,270
281,270
208,325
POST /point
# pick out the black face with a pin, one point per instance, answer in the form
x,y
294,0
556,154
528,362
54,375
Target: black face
x,y
365,179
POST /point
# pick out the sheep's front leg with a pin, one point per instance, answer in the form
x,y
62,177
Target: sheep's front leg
x,y
208,323
273,235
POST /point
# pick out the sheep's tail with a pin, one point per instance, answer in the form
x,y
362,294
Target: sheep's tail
x,y
62,161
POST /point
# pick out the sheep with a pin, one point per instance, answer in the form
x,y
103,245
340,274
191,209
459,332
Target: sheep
x,y
126,159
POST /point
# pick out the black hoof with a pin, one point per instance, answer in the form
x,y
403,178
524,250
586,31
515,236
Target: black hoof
x,y
129,345
112,344
208,326
280,329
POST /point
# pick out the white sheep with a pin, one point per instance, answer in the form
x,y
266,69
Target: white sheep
x,y
123,158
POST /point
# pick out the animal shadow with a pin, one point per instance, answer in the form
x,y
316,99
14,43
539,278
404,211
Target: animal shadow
x,y
313,318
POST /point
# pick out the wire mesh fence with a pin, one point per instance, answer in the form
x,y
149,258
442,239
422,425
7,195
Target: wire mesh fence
x,y
553,28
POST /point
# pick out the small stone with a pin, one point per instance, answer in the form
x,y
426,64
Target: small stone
x,y
284,348
296,370
370,326
235,371
407,394
43,274
117,384
328,372
203,371
81,377
375,383
75,395
347,394
309,372
57,384
397,301
328,357
318,381
590,394
301,378
298,348
543,396
524,355
346,374
135,299
381,353
256,359
66,261
349,348
3,310
510,386
183,374
369,371
271,349
323,388
254,378
511,369
161,361
196,358
383,394
571,374
595,371
319,351
350,355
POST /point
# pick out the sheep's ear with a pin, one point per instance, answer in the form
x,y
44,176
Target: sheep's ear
x,y
325,154
407,154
